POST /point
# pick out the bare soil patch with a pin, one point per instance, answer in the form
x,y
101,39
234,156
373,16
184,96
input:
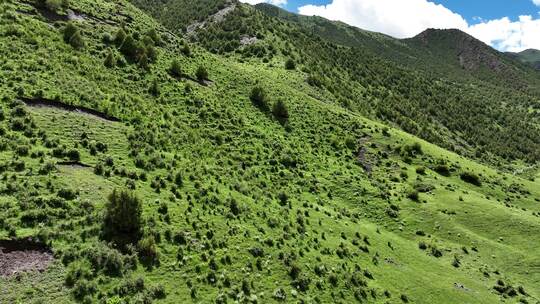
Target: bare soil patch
x,y
19,256
41,102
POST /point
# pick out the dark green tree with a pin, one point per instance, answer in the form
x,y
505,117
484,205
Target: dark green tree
x,y
123,217
290,64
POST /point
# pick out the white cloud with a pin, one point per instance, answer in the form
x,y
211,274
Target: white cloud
x,y
505,35
536,2
274,2
407,18
397,18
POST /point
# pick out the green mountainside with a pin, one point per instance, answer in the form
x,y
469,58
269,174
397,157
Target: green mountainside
x,y
530,56
473,107
247,159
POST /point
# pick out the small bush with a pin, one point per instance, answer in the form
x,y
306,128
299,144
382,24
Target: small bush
x,y
72,35
147,249
155,88
471,178
280,111
290,64
175,70
84,288
413,195
201,74
258,97
442,169
74,155
69,31
120,37
77,41
67,194
110,60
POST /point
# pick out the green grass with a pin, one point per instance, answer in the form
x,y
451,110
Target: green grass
x,y
225,148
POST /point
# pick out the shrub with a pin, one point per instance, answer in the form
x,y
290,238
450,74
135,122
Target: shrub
x,y
77,271
258,97
130,48
178,180
74,155
148,251
201,74
103,258
413,195
471,178
84,288
443,169
186,50
123,216
155,88
110,60
158,292
22,150
69,31
290,64
413,150
77,41
120,37
175,70
280,111
67,194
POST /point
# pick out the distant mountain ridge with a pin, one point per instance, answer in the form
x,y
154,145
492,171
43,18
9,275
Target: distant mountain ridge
x,y
450,50
529,56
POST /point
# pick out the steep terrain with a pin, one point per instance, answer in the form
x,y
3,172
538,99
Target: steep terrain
x,y
153,170
472,105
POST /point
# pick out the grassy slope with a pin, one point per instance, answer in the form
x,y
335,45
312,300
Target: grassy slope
x,y
222,143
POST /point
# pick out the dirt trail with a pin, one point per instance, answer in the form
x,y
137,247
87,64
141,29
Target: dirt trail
x,y
41,102
18,256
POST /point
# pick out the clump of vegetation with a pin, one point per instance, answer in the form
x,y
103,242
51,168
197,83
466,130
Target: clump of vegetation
x,y
258,97
290,64
123,217
176,69
72,35
201,74
413,195
280,111
471,178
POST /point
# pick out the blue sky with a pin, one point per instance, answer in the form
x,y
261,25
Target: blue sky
x,y
469,9
507,25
